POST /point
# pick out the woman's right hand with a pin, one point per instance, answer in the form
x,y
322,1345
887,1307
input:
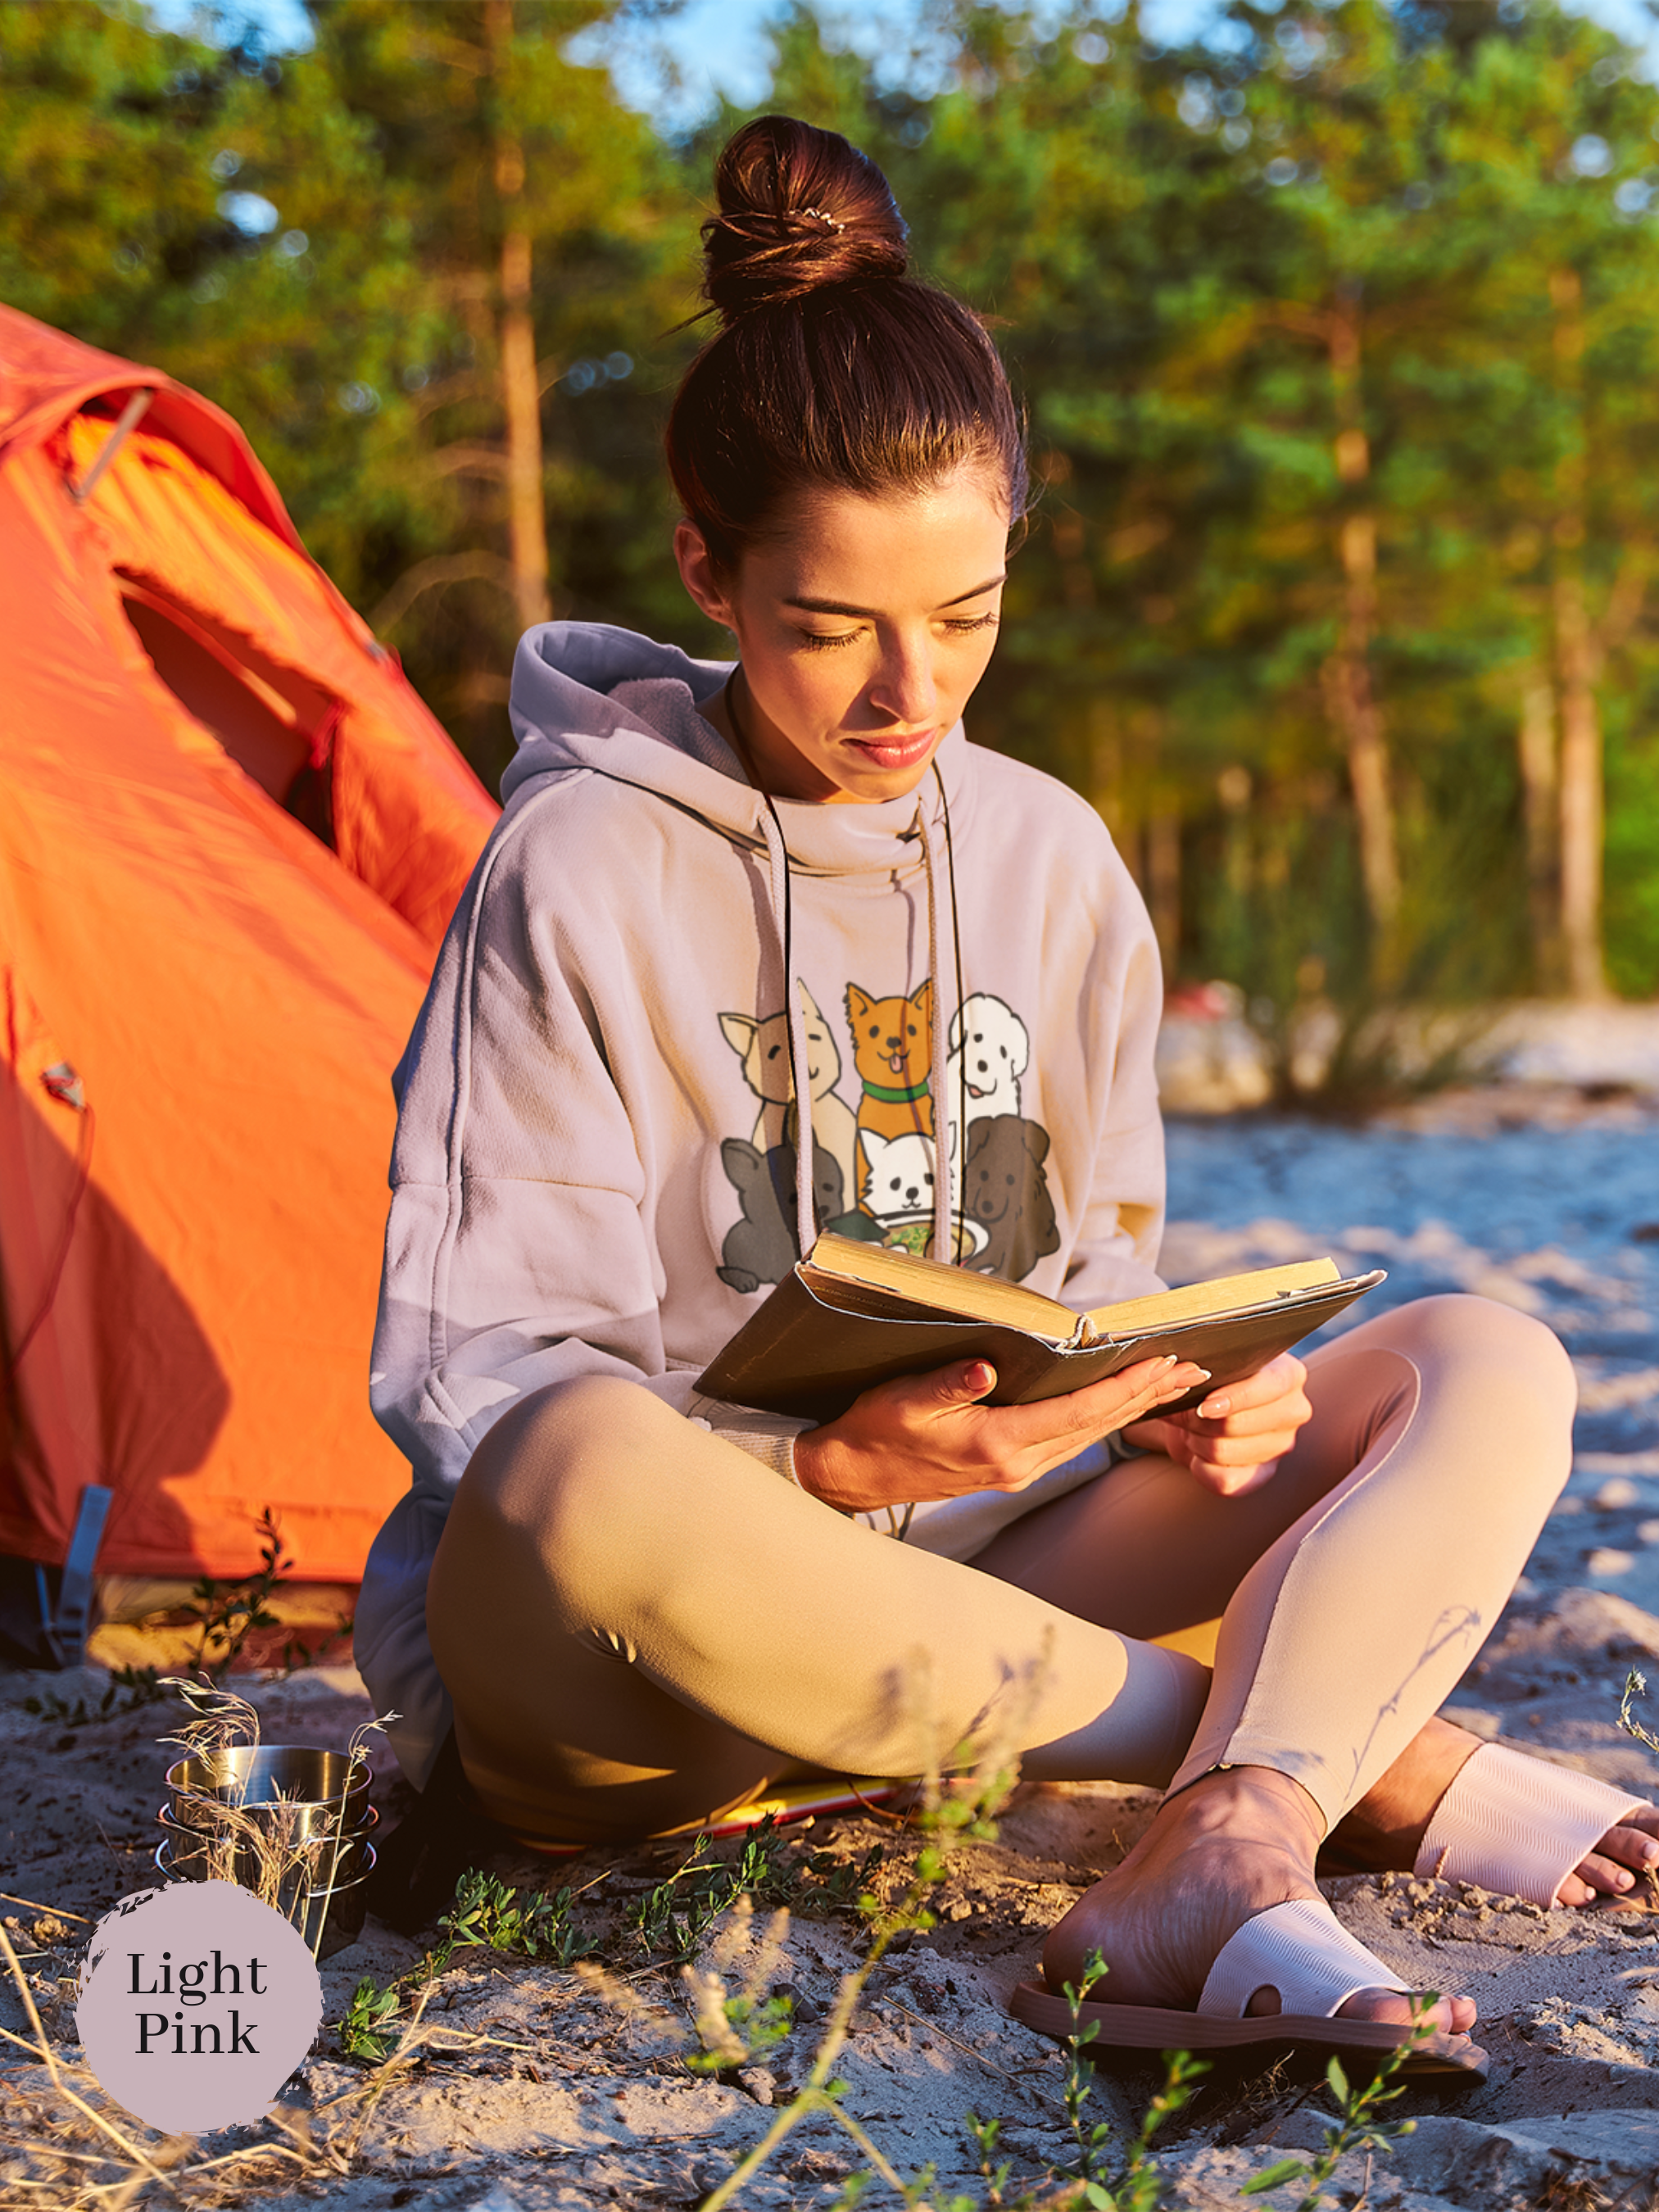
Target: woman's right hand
x,y
927,1436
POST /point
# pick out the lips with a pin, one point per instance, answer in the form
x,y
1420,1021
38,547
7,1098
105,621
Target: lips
x,y
896,752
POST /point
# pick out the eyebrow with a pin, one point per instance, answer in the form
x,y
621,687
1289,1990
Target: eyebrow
x,y
870,614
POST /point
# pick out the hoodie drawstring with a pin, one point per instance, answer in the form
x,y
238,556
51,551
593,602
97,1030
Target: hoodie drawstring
x,y
944,1165
806,1212
800,1072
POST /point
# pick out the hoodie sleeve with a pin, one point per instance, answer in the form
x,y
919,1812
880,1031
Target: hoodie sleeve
x,y
517,1251
1116,1252
517,1254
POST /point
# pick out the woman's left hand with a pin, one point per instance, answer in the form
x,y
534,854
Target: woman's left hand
x,y
1235,1439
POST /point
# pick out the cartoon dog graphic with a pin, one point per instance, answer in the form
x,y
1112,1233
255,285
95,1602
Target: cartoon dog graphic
x,y
892,1047
762,1247
990,1050
1005,1193
764,1049
900,1190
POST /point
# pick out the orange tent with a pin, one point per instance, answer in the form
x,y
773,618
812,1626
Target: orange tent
x,y
230,838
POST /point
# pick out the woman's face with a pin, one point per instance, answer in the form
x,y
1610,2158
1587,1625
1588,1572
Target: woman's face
x,y
862,628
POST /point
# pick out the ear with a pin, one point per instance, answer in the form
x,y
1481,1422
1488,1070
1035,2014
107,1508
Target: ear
x,y
1036,1141
874,1147
707,585
922,1000
808,1000
741,1161
738,1031
858,1003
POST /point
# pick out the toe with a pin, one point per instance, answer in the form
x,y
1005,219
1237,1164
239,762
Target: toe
x,y
1601,1873
1447,2015
1632,1843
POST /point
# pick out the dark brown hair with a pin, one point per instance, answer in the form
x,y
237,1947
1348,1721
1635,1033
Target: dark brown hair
x,y
833,368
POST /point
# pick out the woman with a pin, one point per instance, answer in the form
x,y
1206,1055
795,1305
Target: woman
x,y
760,948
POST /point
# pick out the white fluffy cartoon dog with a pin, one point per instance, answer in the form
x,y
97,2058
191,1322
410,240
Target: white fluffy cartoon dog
x,y
990,1050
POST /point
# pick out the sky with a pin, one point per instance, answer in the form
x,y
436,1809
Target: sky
x,y
707,47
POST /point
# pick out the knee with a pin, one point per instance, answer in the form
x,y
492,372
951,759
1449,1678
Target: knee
x,y
1508,1373
555,1479
1478,1336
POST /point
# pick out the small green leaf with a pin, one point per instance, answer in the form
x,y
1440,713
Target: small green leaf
x,y
1288,2169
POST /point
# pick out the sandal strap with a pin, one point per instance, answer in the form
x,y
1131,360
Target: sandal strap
x,y
1302,1950
1519,1825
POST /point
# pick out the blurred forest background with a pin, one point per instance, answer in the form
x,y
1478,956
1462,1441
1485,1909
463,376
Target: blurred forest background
x,y
1339,334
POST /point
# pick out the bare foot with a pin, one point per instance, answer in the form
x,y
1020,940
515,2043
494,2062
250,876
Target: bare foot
x,y
1230,1846
1387,1826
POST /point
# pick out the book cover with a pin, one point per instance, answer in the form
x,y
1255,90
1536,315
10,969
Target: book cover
x,y
822,1336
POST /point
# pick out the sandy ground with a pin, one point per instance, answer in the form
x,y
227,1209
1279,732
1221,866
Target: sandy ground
x,y
537,2091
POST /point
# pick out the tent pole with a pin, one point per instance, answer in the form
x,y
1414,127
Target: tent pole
x,y
131,415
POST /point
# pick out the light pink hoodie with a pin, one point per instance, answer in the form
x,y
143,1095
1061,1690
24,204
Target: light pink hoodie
x,y
595,1166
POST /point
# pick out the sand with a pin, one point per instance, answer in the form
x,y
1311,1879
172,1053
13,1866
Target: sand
x,y
539,2091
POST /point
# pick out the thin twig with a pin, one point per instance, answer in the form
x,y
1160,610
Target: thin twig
x,y
867,2145
978,2056
57,1912
58,2083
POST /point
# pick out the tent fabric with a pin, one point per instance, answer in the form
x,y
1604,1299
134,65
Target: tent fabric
x,y
231,837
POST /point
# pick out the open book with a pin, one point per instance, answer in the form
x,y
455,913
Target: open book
x,y
850,1315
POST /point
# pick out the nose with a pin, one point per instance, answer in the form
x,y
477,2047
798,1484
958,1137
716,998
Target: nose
x,y
904,690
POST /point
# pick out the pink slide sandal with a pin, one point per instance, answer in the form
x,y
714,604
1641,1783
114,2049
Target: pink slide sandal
x,y
1519,1825
1299,1949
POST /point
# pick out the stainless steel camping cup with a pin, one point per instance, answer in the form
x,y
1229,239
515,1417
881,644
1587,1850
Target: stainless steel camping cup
x,y
292,1817
263,1774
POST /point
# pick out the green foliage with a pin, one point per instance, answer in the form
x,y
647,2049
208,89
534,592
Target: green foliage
x,y
1357,2127
486,1912
672,1921
1340,278
129,1689
1104,2185
364,2032
226,1612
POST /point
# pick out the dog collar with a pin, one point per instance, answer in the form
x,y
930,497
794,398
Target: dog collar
x,y
889,1097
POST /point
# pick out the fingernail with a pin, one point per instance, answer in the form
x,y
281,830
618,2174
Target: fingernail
x,y
1213,1408
1623,1879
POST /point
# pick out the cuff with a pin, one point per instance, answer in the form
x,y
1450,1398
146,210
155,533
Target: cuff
x,y
768,1437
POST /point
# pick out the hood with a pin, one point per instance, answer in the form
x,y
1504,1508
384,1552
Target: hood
x,y
587,695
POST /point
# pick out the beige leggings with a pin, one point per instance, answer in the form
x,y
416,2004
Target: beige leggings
x,y
640,1625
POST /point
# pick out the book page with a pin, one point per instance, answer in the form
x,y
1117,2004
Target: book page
x,y
935,1287
1226,1294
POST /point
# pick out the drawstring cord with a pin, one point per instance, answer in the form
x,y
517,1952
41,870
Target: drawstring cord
x,y
959,1166
806,1212
943,1177
949,1173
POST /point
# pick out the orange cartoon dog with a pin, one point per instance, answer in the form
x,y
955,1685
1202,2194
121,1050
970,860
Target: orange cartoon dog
x,y
892,1047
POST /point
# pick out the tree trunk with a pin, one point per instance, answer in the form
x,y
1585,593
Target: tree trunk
x,y
1581,792
516,345
1535,744
1351,697
1576,658
1164,879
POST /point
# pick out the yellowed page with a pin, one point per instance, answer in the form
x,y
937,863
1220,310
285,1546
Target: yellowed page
x,y
940,1289
1226,1294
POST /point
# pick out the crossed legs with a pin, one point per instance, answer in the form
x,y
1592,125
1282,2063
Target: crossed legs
x,y
639,1625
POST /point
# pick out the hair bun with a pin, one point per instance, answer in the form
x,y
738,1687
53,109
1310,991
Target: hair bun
x,y
798,208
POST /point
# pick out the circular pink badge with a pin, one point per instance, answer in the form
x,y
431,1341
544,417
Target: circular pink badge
x,y
197,2003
